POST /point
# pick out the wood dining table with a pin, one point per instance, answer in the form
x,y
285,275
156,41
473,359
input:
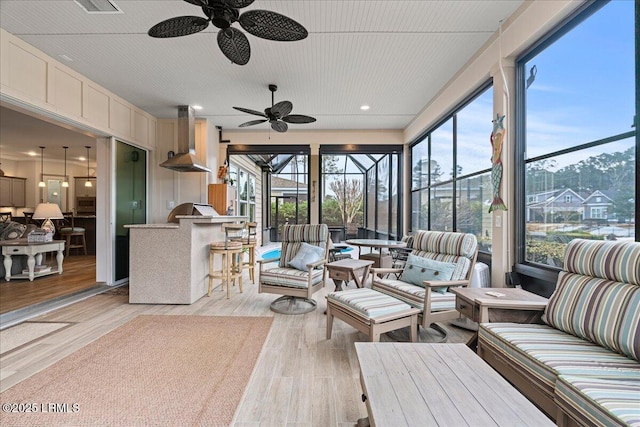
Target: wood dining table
x,y
381,259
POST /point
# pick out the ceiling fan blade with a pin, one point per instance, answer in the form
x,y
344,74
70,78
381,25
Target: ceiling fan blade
x,y
234,45
252,122
179,26
282,108
248,111
298,119
272,26
201,3
279,126
237,4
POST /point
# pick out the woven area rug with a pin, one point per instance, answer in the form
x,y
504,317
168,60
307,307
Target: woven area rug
x,y
152,371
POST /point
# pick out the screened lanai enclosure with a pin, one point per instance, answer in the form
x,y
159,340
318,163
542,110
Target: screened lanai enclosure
x,y
358,191
361,193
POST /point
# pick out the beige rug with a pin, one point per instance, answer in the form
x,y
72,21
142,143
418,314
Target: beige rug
x,y
152,371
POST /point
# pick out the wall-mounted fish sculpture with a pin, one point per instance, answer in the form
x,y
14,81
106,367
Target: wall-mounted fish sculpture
x,y
497,138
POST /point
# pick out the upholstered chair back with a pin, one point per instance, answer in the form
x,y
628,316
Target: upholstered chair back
x,y
294,235
460,248
597,295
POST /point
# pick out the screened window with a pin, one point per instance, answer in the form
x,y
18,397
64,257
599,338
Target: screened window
x,y
449,198
577,95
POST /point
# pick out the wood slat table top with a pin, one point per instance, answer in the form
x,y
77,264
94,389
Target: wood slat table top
x,y
409,384
513,297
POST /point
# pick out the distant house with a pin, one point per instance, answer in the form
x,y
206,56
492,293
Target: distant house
x,y
597,206
284,189
562,205
567,205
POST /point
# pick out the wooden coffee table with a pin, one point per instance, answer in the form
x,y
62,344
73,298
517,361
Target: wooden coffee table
x,y
346,270
406,384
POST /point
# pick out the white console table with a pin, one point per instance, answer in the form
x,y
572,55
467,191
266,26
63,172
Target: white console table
x,y
34,252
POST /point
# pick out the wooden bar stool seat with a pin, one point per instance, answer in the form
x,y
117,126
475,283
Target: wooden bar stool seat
x,y
74,236
230,252
249,243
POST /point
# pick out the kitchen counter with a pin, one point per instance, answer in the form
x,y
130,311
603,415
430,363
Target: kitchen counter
x,y
169,263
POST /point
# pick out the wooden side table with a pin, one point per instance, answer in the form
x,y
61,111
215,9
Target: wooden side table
x,y
517,305
346,270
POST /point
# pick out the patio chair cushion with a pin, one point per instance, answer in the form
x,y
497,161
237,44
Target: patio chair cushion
x,y
418,269
290,277
459,248
592,303
365,303
307,254
414,295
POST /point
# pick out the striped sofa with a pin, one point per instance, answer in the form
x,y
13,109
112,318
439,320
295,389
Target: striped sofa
x,y
582,365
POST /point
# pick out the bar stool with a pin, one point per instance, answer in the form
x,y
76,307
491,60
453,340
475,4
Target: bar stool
x,y
68,231
230,252
249,245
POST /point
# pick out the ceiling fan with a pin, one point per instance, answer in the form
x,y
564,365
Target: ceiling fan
x,y
222,14
278,114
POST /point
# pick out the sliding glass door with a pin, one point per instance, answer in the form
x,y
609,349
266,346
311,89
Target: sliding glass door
x,y
130,201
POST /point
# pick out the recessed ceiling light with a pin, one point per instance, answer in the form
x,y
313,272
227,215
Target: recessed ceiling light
x,y
82,159
364,107
32,153
197,107
66,57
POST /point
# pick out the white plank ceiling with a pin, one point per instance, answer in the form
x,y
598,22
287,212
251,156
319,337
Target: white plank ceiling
x,y
393,55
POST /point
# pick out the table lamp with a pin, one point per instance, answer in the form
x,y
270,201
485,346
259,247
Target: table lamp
x,y
48,211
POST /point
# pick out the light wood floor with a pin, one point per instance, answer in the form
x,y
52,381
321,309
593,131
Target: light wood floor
x,y
300,379
79,272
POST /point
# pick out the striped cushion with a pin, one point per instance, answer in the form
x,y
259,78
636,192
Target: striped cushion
x,y
544,353
290,277
596,401
414,295
459,248
367,304
294,235
598,310
615,261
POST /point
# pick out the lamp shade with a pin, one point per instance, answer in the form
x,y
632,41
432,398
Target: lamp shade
x,y
47,211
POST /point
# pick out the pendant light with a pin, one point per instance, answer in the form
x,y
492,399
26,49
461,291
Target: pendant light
x,y
88,183
65,181
41,183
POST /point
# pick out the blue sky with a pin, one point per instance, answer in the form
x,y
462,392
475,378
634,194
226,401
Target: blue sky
x,y
584,88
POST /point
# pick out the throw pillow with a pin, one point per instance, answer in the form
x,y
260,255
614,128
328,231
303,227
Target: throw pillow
x,y
307,254
11,230
418,269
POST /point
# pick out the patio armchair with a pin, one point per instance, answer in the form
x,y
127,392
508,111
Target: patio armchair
x,y
438,260
299,273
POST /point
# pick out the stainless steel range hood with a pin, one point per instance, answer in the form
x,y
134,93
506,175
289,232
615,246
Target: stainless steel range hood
x,y
185,160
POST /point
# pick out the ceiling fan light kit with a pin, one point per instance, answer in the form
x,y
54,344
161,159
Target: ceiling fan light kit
x,y
277,115
232,42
